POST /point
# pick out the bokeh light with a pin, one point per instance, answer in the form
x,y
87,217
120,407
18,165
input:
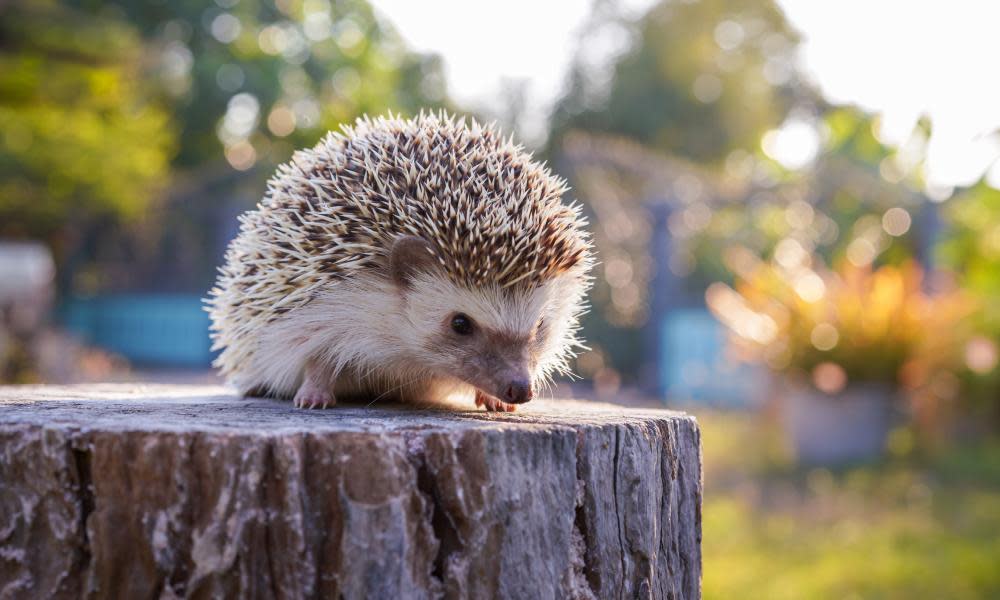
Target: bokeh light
x,y
824,336
809,286
281,121
896,221
226,28
241,155
829,377
981,354
794,145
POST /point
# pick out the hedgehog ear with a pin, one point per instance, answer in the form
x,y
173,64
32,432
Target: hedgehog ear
x,y
410,255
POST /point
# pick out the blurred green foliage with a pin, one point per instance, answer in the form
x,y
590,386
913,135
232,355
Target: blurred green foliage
x,y
700,80
79,134
914,526
840,199
972,246
694,81
323,62
131,133
972,250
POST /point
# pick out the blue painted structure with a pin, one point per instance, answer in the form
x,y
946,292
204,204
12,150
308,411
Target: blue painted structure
x,y
147,329
694,365
684,342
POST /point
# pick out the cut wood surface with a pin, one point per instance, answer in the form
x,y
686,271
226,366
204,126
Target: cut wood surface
x,y
163,491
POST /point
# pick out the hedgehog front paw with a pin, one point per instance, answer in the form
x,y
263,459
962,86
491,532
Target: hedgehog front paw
x,y
311,395
492,404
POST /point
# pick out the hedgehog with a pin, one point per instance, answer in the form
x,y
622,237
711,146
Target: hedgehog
x,y
408,259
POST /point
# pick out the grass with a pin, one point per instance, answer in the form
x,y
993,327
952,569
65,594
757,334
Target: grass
x,y
915,525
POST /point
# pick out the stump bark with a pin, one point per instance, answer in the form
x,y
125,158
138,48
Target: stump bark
x,y
132,491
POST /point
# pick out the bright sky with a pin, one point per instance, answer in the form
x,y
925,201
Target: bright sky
x,y
899,59
902,59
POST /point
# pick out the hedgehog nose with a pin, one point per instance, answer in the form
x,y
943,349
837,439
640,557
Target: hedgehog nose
x,y
518,391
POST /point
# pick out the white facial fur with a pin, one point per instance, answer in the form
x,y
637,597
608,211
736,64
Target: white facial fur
x,y
432,300
369,325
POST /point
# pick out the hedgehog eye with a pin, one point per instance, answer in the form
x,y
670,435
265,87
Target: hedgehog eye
x,y
462,324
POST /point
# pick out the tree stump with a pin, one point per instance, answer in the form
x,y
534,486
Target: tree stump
x,y
155,491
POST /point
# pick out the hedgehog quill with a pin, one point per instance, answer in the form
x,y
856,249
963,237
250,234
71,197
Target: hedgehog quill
x,y
408,259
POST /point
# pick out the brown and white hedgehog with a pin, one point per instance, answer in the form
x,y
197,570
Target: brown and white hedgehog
x,y
406,259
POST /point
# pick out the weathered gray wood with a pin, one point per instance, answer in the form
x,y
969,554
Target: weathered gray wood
x,y
170,491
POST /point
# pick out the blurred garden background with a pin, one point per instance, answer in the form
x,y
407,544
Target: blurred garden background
x,y
796,208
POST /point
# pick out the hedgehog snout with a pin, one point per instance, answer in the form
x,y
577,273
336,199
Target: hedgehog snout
x,y
512,383
507,380
518,391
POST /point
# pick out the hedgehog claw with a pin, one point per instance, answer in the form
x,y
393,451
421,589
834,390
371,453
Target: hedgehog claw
x,y
311,395
492,404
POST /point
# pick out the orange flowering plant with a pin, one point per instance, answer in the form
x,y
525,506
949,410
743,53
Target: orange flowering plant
x,y
850,324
